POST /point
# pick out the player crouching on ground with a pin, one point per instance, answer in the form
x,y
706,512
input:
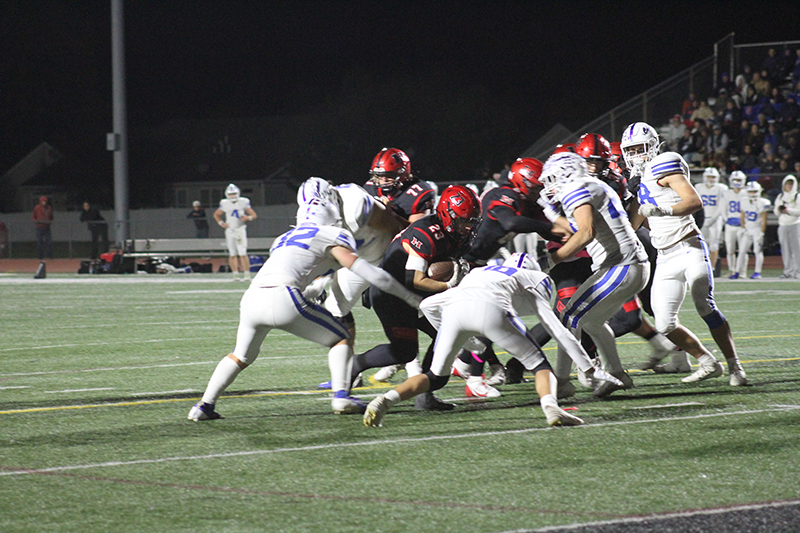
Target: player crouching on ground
x,y
275,300
488,302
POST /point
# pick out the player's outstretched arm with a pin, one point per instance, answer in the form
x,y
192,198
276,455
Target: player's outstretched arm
x,y
374,275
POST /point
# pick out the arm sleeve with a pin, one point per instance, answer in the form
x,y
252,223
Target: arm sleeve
x,y
384,281
510,221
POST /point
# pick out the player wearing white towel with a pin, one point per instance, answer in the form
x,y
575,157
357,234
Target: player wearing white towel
x,y
275,300
619,263
754,223
667,199
489,302
712,193
237,213
733,219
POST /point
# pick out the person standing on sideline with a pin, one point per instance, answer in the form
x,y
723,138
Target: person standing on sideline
x,y
98,228
237,212
198,214
733,219
712,193
43,218
787,209
667,200
754,221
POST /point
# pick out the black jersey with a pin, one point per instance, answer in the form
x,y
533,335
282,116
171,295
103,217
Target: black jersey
x,y
504,215
426,238
415,198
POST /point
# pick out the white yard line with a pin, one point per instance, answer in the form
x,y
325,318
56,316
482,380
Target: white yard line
x,y
76,390
387,442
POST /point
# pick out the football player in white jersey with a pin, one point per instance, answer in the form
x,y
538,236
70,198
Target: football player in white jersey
x,y
619,262
712,193
237,213
667,199
275,300
733,219
754,222
489,302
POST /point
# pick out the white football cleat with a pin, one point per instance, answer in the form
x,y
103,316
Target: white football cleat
x,y
737,375
348,405
556,416
611,381
498,375
477,388
678,365
461,369
203,411
386,373
376,410
713,370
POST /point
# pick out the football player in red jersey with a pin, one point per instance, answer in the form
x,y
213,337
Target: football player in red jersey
x,y
442,236
393,182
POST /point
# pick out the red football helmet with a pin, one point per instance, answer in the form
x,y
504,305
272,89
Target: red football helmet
x,y
390,170
596,150
459,209
567,147
617,162
524,175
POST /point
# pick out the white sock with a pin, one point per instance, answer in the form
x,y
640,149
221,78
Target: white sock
x,y
223,375
707,359
340,363
246,274
392,398
548,399
413,368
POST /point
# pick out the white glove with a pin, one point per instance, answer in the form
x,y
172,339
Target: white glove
x,y
650,210
461,268
549,210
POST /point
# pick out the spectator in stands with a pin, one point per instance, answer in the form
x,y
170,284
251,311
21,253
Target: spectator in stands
x,y
689,105
741,90
751,98
747,72
726,84
97,227
786,64
773,136
748,159
770,66
703,112
198,214
730,119
43,218
674,132
766,160
717,143
796,69
761,84
787,209
793,146
687,145
789,113
755,138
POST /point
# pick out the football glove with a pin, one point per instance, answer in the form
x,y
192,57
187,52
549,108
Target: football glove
x,y
650,210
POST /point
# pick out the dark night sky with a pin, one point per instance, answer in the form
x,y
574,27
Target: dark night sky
x,y
527,65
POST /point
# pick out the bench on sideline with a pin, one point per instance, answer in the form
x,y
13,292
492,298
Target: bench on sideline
x,y
191,247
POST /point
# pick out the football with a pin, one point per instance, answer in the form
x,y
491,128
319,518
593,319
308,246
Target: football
x,y
441,271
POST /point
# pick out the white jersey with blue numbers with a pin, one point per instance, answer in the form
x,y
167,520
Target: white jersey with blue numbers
x,y
510,288
733,209
301,254
669,230
615,242
357,206
752,209
234,210
713,201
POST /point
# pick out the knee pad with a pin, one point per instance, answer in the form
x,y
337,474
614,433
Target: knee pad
x,y
437,382
544,365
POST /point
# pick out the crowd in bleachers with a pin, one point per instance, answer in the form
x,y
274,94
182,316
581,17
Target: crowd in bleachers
x,y
749,123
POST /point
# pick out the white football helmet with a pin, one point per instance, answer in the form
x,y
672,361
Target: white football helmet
x,y
316,188
710,177
737,179
559,169
232,192
753,189
522,260
639,145
318,213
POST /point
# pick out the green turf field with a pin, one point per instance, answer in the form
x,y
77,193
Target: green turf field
x,y
97,375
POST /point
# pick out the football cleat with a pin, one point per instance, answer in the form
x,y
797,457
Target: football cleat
x,y
385,374
348,405
556,416
461,369
613,381
735,275
477,388
375,411
203,411
650,364
678,365
737,375
498,375
756,275
705,372
427,401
